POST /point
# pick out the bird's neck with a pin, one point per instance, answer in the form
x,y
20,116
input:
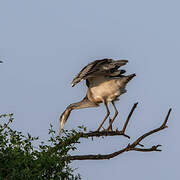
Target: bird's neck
x,y
85,103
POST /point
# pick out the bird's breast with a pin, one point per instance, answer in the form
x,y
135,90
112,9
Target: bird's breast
x,y
108,90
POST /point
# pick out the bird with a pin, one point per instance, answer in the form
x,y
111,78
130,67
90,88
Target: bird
x,y
1,61
105,82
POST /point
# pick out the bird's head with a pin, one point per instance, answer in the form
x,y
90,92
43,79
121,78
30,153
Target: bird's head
x,y
63,118
73,84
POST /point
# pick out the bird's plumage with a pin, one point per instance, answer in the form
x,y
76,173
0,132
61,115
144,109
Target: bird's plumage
x,y
105,67
107,88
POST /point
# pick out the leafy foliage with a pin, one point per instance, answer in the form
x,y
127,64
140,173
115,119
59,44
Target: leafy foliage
x,y
19,159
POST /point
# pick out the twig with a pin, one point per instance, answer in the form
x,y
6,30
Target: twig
x,y
129,116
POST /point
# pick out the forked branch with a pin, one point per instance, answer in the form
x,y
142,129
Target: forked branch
x,y
111,133
129,147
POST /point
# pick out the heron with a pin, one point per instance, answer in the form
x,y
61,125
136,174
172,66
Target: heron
x,y
105,82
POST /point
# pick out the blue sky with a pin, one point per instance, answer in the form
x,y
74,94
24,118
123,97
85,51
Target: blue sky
x,y
45,43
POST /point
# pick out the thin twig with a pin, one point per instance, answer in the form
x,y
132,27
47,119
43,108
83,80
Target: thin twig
x,y
153,148
129,116
166,119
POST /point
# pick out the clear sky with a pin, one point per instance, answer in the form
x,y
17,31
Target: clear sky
x,y
45,43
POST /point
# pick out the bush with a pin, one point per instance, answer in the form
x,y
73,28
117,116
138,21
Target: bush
x,y
19,159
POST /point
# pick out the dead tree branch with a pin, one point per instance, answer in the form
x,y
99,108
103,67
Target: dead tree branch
x,y
129,116
129,147
111,133
103,133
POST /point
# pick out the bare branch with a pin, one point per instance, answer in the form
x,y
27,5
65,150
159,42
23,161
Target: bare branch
x,y
114,154
103,133
166,119
129,147
163,126
129,116
153,148
111,133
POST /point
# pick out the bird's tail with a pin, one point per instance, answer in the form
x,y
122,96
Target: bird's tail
x,y
126,79
129,77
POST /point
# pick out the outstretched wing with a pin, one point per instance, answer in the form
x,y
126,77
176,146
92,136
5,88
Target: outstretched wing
x,y
98,67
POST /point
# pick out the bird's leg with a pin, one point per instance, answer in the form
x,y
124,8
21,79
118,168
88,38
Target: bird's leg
x,y
110,125
115,115
107,114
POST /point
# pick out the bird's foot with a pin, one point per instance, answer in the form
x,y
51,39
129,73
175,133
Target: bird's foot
x,y
100,128
109,127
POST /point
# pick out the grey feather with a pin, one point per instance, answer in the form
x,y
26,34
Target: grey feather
x,y
99,67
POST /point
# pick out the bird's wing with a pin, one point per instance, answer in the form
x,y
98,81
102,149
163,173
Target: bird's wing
x,y
98,67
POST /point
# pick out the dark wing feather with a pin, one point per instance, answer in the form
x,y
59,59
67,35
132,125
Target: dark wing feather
x,y
117,73
98,67
89,70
